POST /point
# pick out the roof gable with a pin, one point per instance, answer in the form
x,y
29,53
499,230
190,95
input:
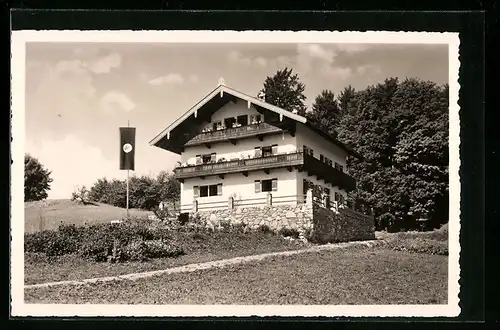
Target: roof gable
x,y
220,96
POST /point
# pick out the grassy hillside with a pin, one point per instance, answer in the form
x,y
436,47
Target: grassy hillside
x,y
50,214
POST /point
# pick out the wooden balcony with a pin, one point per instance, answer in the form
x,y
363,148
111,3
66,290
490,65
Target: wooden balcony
x,y
239,166
328,173
233,134
299,160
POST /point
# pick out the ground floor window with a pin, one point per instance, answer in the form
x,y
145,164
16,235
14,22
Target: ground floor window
x,y
266,185
208,190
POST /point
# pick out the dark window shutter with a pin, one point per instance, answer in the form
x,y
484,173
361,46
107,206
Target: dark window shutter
x,y
219,189
257,186
213,157
322,158
258,152
274,149
337,196
196,191
274,184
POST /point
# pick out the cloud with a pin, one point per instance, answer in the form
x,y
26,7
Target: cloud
x,y
115,101
238,58
315,51
171,78
104,64
82,165
194,78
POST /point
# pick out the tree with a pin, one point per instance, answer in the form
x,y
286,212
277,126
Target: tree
x,y
345,97
81,195
169,187
285,90
326,113
401,129
37,179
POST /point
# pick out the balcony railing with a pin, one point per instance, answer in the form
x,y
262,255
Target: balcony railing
x,y
240,165
233,133
308,163
330,174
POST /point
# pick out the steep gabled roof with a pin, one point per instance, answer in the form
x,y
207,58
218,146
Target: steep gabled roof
x,y
221,90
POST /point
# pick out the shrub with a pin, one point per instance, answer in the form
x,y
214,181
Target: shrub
x,y
239,227
419,245
288,232
52,243
161,249
135,251
386,221
265,229
225,225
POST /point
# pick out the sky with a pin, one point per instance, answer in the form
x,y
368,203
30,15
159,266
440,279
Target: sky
x,y
79,94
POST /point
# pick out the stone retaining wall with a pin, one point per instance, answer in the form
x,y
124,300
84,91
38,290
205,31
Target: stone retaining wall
x,y
314,221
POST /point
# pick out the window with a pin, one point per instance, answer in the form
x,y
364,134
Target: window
x,y
217,126
228,122
308,151
210,190
337,196
326,192
242,120
266,185
255,119
207,159
328,161
258,152
266,151
322,158
339,167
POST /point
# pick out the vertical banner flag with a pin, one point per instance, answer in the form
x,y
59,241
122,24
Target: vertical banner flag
x,y
127,148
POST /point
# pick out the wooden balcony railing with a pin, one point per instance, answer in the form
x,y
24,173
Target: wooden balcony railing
x,y
241,165
328,173
308,163
233,133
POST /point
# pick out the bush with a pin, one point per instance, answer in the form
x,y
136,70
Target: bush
x,y
288,232
264,229
386,221
161,249
102,241
419,245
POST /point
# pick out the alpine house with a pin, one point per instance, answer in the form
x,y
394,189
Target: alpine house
x,y
235,145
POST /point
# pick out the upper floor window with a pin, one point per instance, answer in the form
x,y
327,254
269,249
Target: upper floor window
x,y
328,161
266,151
339,167
230,122
322,158
217,126
242,120
255,119
206,159
308,150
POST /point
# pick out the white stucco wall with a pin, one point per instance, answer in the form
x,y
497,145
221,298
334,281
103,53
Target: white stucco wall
x,y
305,136
286,143
233,110
241,188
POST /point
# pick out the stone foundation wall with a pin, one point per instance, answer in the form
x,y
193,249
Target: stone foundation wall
x,y
342,225
314,221
297,217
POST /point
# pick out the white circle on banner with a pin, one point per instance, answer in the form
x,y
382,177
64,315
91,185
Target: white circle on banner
x,y
127,147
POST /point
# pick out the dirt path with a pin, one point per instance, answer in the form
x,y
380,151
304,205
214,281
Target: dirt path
x,y
204,265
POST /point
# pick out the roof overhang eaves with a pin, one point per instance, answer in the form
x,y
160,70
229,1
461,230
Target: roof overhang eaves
x,y
224,89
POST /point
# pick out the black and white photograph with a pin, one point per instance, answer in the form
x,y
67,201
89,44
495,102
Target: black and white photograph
x,y
225,173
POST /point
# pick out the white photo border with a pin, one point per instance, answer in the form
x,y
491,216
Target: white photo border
x,y
18,63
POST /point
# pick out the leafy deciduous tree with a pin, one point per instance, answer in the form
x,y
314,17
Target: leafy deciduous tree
x,y
36,179
285,90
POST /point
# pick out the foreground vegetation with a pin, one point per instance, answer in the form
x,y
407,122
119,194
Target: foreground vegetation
x,y
346,276
73,253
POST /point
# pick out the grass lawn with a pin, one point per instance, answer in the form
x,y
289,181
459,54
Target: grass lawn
x,y
40,269
50,214
344,276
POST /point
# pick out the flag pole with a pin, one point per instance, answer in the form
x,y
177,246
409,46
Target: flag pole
x,y
128,218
